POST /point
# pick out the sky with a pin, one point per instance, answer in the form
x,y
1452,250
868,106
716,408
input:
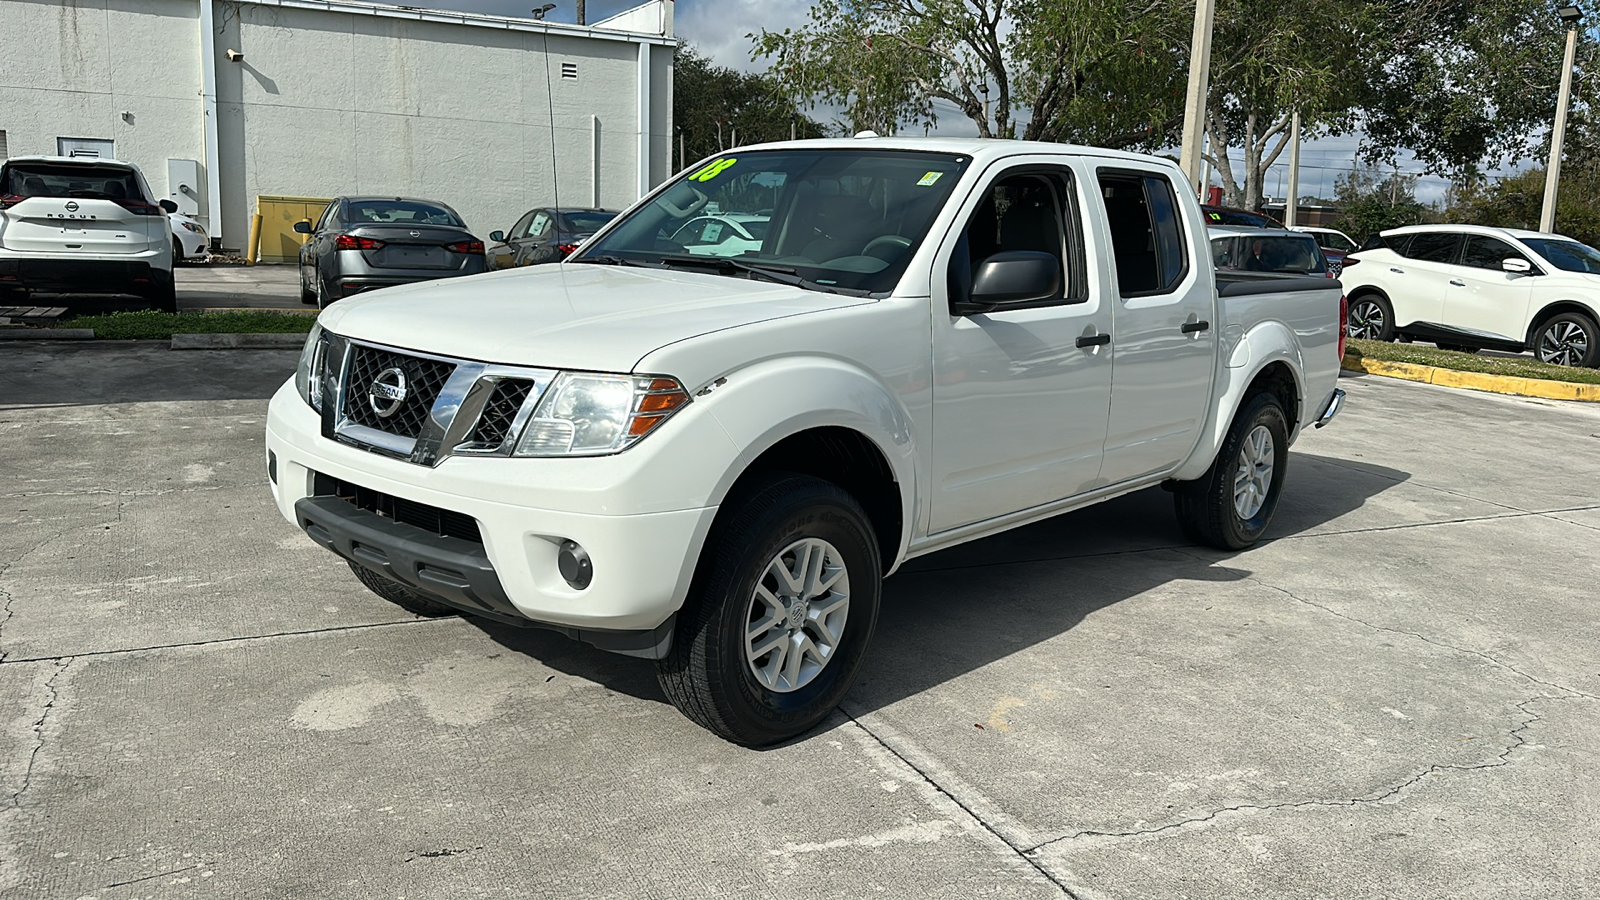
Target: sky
x,y
718,28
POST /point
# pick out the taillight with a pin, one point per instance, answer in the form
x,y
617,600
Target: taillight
x,y
1350,261
140,207
1344,324
9,200
473,247
566,250
351,242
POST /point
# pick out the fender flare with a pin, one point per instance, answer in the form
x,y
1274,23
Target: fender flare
x,y
1556,308
1265,345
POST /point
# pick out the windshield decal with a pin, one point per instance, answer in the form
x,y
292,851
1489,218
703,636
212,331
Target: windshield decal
x,y
930,179
712,170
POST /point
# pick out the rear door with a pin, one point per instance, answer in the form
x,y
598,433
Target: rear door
x,y
1482,297
1417,283
85,208
1163,306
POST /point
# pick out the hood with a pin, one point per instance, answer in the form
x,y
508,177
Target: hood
x,y
571,316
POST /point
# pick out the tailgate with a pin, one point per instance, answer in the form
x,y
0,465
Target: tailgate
x,y
79,226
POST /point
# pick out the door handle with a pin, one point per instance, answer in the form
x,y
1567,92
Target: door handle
x,y
1094,340
1192,327
1458,283
1397,271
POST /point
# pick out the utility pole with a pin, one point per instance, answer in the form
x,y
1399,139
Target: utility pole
x,y
581,13
1194,107
1552,178
1291,206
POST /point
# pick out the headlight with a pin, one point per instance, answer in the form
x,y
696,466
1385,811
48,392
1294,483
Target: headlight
x,y
193,227
308,374
585,414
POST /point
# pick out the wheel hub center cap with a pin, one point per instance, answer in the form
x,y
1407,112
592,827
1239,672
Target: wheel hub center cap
x,y
797,615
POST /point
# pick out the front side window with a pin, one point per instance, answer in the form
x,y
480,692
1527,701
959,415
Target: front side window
x,y
400,212
1569,256
1031,211
1489,253
833,220
1433,246
1146,237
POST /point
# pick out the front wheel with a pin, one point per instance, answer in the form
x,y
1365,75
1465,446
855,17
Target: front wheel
x,y
1569,339
1232,504
777,621
1371,319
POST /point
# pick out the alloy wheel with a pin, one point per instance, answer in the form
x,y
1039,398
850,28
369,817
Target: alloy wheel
x,y
1366,320
797,615
1253,478
1564,343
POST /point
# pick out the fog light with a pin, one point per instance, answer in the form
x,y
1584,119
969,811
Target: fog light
x,y
575,565
272,467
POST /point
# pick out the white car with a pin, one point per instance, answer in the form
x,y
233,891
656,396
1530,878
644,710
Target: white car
x,y
1469,287
713,461
83,226
1330,238
722,235
188,239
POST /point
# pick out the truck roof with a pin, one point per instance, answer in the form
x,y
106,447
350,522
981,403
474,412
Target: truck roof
x,y
978,148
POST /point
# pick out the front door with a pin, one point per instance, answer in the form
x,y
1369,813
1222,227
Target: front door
x,y
1019,415
1482,297
1165,329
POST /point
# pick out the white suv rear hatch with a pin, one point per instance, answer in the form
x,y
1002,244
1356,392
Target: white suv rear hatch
x,y
94,208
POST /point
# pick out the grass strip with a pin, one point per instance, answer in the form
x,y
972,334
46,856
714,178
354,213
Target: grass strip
x,y
1424,355
147,324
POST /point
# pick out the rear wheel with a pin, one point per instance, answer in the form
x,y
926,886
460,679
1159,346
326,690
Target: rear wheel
x,y
1569,339
401,595
777,622
162,295
1232,504
1371,319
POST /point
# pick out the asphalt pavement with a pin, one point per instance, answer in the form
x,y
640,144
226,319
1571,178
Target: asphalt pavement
x,y
1395,696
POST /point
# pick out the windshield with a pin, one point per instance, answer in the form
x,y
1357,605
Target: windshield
x,y
400,212
587,222
69,180
1569,255
837,219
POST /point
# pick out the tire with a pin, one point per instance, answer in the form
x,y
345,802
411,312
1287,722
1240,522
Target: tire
x,y
1458,348
1371,319
401,595
1214,510
163,296
177,254
781,523
308,297
1569,339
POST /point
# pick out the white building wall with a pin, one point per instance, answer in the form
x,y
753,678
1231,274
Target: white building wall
x,y
332,99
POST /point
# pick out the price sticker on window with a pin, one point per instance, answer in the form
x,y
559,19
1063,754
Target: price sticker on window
x,y
930,179
712,170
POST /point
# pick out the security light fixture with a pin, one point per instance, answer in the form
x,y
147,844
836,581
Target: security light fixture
x,y
538,12
1570,14
234,56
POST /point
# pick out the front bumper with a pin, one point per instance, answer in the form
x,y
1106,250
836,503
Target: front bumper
x,y
642,563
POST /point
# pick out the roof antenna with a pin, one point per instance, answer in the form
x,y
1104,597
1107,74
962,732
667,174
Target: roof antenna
x,y
550,102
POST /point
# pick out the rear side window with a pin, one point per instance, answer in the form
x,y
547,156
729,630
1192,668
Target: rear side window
x,y
1439,247
1146,238
97,182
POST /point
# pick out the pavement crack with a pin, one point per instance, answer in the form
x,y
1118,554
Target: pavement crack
x,y
38,728
1516,739
5,609
971,814
248,638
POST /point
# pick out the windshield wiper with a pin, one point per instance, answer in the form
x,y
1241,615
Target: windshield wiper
x,y
612,261
776,272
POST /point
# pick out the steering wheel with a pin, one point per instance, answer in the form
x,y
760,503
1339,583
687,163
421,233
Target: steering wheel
x,y
887,240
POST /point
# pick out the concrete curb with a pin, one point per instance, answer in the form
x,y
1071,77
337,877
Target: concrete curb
x,y
238,341
49,334
1477,381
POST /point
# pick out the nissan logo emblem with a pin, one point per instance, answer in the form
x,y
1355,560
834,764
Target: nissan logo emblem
x,y
416,234
72,206
388,392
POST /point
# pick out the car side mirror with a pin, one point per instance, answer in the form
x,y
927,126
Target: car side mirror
x,y
1014,276
499,237
167,206
1517,266
302,228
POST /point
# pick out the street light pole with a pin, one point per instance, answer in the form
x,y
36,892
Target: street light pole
x,y
1291,206
1194,107
1552,179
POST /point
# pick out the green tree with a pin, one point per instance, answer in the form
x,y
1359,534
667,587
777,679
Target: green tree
x,y
714,106
1371,201
1517,201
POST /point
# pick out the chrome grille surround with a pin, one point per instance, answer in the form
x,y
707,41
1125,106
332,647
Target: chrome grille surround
x,y
462,410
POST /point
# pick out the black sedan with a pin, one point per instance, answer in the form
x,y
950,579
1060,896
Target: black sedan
x,y
363,243
545,235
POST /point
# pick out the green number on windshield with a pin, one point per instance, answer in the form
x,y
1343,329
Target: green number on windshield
x,y
713,169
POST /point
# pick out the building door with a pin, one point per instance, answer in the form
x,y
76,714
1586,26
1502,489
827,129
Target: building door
x,y
93,148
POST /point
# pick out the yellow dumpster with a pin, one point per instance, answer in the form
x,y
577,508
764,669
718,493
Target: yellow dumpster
x,y
279,242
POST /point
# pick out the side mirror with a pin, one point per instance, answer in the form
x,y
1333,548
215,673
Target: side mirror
x,y
1517,266
1015,276
167,206
499,237
302,228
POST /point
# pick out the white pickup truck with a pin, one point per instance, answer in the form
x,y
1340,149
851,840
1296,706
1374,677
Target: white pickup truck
x,y
713,459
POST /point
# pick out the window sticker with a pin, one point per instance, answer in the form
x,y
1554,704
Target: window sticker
x,y
712,170
713,232
930,179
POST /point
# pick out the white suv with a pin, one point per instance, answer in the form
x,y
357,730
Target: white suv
x,y
83,226
1468,287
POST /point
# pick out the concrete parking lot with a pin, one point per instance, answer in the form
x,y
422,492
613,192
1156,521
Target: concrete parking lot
x,y
1396,696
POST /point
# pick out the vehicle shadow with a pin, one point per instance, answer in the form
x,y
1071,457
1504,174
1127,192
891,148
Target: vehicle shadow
x,y
93,373
986,600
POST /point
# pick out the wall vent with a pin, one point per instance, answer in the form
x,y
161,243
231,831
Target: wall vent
x,y
4,151
569,70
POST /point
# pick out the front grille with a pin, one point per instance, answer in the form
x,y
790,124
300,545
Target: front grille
x,y
425,378
501,410
432,519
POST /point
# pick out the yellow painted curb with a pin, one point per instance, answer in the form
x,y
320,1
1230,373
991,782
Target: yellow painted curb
x,y
1477,381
